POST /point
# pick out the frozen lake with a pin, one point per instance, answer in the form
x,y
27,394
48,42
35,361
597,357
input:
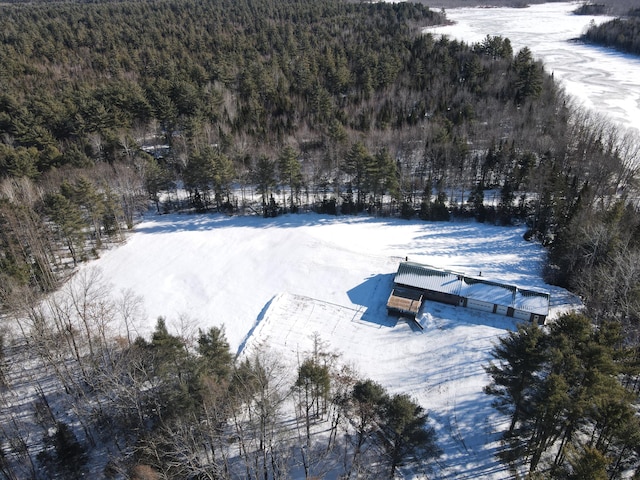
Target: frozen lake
x,y
600,79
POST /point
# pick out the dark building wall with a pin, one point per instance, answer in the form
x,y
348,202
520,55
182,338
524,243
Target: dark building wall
x,y
457,300
442,297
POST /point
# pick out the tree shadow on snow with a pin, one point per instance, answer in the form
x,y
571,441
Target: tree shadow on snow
x,y
193,222
468,432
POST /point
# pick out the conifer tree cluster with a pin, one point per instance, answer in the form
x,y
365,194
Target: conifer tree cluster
x,y
180,405
622,33
265,106
269,107
569,393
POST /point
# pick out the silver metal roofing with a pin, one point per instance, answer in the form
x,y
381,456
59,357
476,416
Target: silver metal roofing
x,y
424,277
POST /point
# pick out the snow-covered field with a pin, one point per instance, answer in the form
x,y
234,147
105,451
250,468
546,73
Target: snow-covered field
x,y
279,281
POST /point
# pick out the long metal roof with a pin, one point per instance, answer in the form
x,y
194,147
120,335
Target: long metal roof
x,y
425,277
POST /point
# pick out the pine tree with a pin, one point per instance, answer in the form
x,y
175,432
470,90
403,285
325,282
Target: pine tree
x,y
313,384
563,391
585,464
157,180
223,174
528,76
368,400
357,163
518,358
290,173
383,176
64,456
175,371
476,202
407,436
198,179
84,194
216,357
265,178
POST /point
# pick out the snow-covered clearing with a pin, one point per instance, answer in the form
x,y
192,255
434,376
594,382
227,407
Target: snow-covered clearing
x,y
279,281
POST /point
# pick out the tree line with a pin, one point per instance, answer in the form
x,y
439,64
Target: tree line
x,y
105,401
569,393
353,110
622,33
265,106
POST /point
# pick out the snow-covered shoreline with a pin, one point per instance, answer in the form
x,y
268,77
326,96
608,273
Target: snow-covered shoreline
x,y
602,80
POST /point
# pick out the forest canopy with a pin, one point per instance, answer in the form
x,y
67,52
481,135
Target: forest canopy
x,y
333,106
623,34
265,106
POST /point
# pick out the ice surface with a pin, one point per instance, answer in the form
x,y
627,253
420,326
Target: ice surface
x,y
601,79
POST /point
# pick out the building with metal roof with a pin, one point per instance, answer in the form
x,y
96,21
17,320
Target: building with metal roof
x,y
416,281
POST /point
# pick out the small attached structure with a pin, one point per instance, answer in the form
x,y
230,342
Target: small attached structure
x,y
417,281
404,302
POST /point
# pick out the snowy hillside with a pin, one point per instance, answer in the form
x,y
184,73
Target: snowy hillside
x,y
279,281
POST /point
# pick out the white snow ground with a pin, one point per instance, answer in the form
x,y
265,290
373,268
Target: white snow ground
x,y
280,280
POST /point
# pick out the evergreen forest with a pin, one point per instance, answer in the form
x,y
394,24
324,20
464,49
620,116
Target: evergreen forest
x,y
622,33
108,109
